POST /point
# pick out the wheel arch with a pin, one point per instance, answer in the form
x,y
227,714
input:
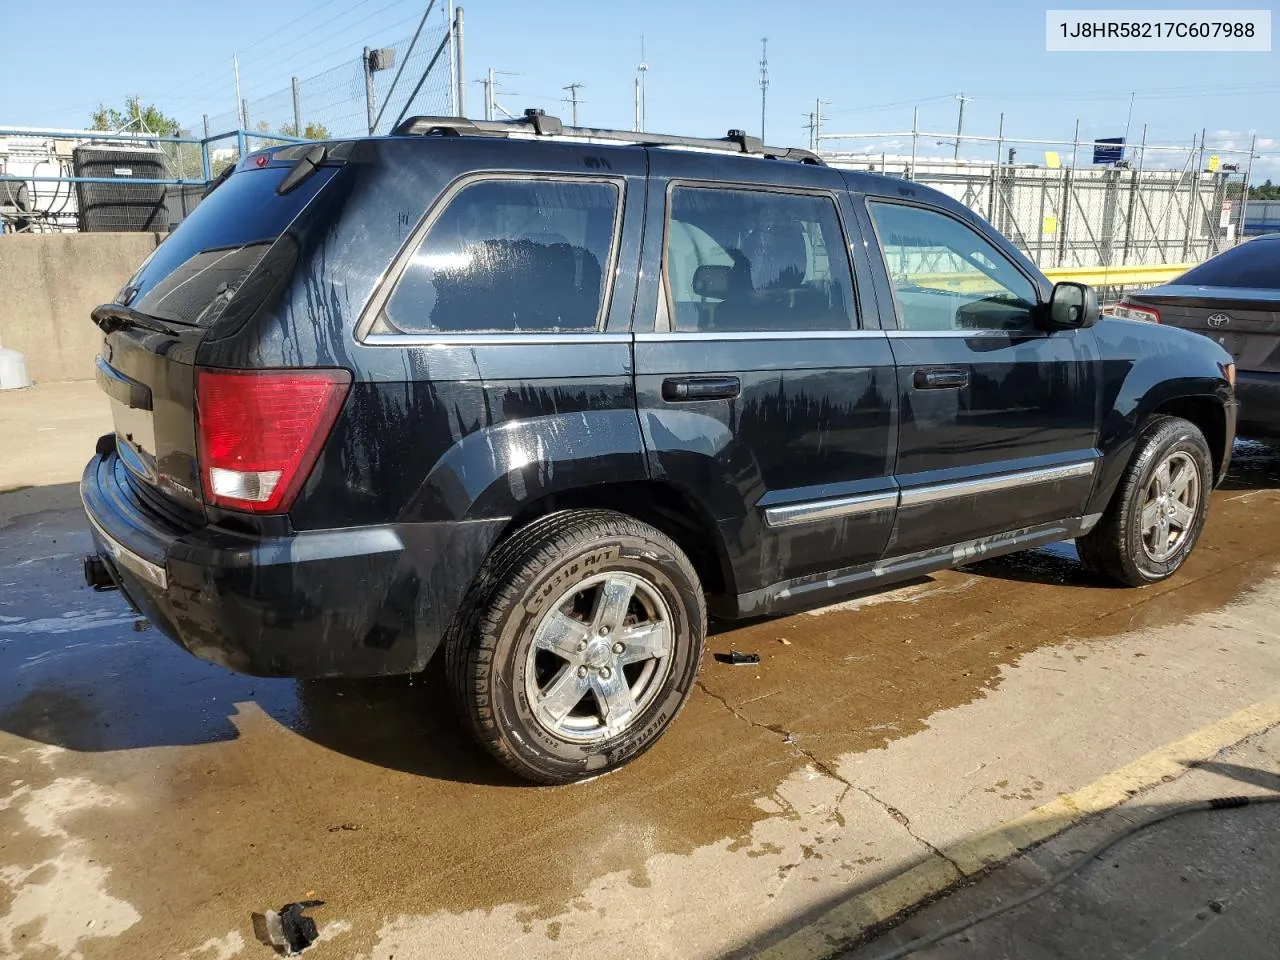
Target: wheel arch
x,y
664,506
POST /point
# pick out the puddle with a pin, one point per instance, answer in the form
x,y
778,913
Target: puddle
x,y
245,792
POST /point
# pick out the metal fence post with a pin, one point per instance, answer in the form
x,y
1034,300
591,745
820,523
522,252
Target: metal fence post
x,y
204,152
1064,219
995,182
1135,184
462,77
1244,194
1191,198
297,109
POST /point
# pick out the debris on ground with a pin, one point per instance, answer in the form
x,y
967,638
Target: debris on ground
x,y
290,931
345,827
737,658
784,641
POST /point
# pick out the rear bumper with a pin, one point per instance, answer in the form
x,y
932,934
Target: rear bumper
x,y
352,602
1259,398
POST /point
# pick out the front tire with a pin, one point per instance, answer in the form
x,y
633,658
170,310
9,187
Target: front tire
x,y
1157,513
578,645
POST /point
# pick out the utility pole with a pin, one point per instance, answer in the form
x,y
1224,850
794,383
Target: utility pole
x,y
297,109
764,80
573,89
370,98
490,84
641,70
960,123
235,65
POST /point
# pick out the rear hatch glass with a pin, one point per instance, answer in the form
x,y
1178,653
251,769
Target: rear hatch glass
x,y
186,284
194,274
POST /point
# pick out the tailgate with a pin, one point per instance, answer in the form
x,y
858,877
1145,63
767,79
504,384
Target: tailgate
x,y
150,380
176,298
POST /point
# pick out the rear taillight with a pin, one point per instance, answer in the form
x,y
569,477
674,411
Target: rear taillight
x,y
1131,311
260,432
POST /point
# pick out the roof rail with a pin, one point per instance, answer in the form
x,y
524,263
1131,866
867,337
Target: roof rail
x,y
539,123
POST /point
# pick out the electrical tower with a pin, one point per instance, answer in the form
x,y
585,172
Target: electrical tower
x,y
764,80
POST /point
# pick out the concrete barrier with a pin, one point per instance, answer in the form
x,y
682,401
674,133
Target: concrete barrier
x,y
48,284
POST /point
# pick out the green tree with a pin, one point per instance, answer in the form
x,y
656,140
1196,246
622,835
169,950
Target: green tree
x,y
134,117
312,131
1265,191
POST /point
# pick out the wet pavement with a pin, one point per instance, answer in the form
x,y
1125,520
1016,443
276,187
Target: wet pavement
x,y
150,802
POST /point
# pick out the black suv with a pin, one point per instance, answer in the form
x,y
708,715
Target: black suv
x,y
542,397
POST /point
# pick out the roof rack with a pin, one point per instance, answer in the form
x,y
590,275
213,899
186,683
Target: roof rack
x,y
538,123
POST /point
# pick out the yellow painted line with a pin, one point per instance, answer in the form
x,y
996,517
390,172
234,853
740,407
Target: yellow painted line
x,y
835,929
974,282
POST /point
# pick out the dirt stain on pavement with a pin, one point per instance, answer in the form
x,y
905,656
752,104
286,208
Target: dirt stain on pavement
x,y
238,793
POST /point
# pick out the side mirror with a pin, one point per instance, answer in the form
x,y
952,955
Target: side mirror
x,y
1072,306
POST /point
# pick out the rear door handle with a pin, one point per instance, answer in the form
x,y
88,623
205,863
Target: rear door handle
x,y
677,389
941,378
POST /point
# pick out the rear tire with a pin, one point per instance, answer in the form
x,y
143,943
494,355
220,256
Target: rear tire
x,y
577,645
1157,513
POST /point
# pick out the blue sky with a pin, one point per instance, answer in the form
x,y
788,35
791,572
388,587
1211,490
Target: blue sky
x,y
703,60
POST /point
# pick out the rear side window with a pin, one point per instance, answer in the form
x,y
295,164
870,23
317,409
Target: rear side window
x,y
1253,264
192,276
511,256
754,260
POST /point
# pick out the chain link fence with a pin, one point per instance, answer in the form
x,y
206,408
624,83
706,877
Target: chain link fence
x,y
1163,205
335,103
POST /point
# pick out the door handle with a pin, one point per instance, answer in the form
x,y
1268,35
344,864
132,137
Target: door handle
x,y
700,388
941,378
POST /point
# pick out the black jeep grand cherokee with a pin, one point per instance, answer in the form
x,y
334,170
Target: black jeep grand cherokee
x,y
542,397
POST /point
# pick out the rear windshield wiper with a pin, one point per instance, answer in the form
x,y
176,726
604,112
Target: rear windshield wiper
x,y
114,316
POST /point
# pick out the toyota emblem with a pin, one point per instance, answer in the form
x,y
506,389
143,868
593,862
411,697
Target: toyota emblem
x,y
1218,320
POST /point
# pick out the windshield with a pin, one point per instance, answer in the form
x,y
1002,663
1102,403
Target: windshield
x,y
193,275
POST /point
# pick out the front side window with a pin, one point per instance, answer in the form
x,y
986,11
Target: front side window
x,y
752,260
511,256
947,276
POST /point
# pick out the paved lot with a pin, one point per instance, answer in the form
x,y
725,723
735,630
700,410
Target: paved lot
x,y
1203,885
150,802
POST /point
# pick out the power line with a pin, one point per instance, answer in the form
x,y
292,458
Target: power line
x,y
283,68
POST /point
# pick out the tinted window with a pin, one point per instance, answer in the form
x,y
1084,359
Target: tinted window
x,y
947,276
511,256
753,260
1253,264
194,274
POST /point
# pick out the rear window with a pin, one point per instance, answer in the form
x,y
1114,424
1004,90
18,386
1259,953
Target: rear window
x,y
1255,263
193,274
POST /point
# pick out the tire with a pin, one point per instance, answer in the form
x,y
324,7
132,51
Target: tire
x,y
543,617
1118,548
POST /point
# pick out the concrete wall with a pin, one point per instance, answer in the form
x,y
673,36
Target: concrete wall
x,y
49,283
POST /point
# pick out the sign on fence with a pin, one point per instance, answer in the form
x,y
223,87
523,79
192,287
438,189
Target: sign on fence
x,y
1108,150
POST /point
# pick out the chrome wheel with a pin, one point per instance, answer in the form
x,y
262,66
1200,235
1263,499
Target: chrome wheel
x,y
1169,508
599,657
